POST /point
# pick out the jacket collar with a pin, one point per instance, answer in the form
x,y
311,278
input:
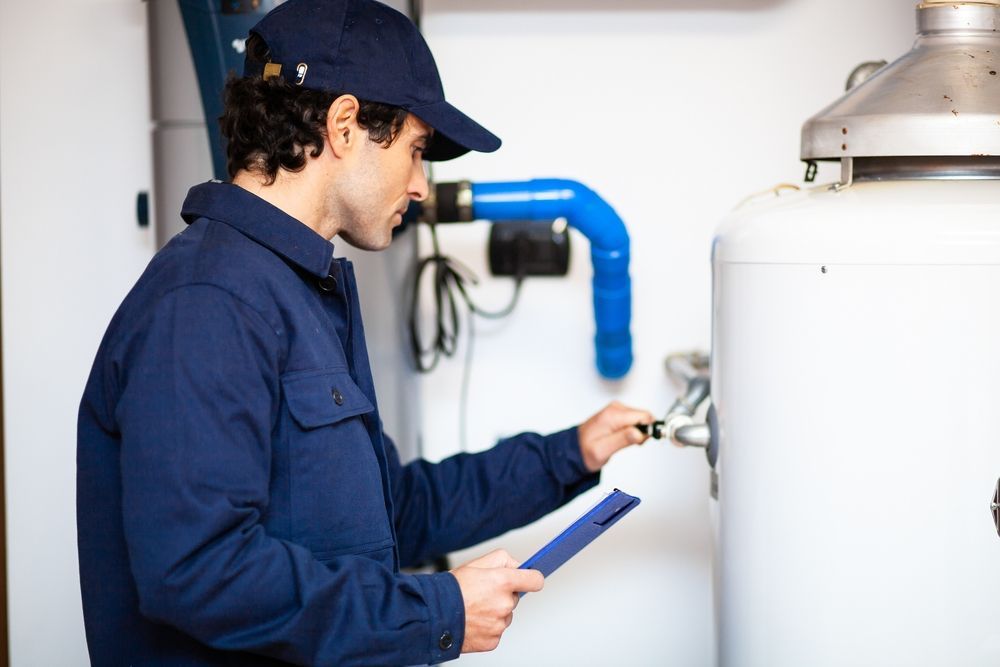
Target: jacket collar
x,y
261,221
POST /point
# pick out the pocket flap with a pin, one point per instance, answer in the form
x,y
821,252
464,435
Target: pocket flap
x,y
319,399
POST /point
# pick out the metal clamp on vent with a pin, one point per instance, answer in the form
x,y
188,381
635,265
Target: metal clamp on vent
x,y
451,202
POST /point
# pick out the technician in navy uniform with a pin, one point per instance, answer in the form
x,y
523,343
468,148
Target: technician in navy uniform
x,y
238,502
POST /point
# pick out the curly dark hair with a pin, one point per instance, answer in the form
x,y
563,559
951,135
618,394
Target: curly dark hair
x,y
271,124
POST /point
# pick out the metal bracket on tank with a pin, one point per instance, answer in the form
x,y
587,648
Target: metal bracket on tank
x,y
846,174
995,507
811,169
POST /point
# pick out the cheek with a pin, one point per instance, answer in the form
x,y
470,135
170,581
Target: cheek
x,y
401,166
385,176
371,184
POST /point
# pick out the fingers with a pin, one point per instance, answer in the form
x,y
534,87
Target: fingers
x,y
508,575
497,558
615,416
623,437
620,417
611,429
490,587
506,560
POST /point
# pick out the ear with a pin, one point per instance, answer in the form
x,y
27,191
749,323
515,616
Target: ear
x,y
342,129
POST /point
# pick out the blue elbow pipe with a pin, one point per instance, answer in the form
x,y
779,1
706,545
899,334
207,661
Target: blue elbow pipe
x,y
546,199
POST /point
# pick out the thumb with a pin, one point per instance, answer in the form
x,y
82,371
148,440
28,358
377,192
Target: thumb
x,y
527,581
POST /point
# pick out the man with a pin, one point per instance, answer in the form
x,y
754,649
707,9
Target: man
x,y
238,502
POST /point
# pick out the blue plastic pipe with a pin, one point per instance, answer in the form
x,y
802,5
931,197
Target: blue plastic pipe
x,y
550,198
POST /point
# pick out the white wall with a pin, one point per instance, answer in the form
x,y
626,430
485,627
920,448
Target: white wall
x,y
75,151
672,109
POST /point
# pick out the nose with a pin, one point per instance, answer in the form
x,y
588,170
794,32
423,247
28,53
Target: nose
x,y
418,187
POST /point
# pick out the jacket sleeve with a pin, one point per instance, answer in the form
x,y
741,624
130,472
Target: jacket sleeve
x,y
199,394
468,498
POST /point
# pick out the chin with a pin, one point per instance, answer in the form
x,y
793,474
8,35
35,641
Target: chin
x,y
368,243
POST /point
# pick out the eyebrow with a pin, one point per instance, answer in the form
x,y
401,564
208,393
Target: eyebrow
x,y
424,136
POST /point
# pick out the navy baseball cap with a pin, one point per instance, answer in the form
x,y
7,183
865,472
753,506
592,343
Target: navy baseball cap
x,y
373,52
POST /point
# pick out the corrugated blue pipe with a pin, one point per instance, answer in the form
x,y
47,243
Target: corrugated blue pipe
x,y
549,198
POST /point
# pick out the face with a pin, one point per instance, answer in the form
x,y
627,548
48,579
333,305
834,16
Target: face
x,y
375,189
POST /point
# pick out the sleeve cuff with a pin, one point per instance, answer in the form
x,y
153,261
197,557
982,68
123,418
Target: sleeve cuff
x,y
447,615
566,461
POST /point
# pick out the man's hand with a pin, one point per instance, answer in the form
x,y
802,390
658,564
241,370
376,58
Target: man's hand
x,y
611,429
490,586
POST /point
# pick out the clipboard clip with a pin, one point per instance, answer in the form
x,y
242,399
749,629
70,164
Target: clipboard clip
x,y
616,512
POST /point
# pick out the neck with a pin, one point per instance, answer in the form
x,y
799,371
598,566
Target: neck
x,y
299,194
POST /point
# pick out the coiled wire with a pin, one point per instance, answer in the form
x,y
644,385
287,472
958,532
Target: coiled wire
x,y
449,279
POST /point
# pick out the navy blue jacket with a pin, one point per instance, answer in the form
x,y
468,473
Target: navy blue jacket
x,y
237,501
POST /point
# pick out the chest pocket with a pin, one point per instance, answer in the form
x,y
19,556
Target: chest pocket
x,y
335,484
320,398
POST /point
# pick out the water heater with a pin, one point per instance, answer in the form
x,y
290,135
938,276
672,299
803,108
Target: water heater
x,y
855,376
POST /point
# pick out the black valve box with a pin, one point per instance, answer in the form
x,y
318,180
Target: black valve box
x,y
529,248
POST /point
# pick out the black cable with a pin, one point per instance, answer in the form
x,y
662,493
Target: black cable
x,y
449,279
449,276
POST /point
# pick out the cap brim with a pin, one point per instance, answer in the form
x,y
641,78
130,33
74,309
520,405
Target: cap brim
x,y
455,133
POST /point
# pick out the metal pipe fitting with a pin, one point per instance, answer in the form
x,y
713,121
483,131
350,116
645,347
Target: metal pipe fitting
x,y
682,367
693,435
689,370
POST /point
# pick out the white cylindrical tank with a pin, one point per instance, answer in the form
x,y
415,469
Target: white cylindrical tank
x,y
856,385
856,379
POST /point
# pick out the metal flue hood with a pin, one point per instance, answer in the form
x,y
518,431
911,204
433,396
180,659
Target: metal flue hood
x,y
940,99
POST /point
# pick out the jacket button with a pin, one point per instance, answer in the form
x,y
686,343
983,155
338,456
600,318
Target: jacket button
x,y
338,398
328,284
446,642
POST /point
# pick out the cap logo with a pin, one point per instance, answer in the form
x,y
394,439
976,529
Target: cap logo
x,y
300,73
272,70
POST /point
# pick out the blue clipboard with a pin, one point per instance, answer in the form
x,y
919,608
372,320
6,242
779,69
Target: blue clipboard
x,y
582,532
